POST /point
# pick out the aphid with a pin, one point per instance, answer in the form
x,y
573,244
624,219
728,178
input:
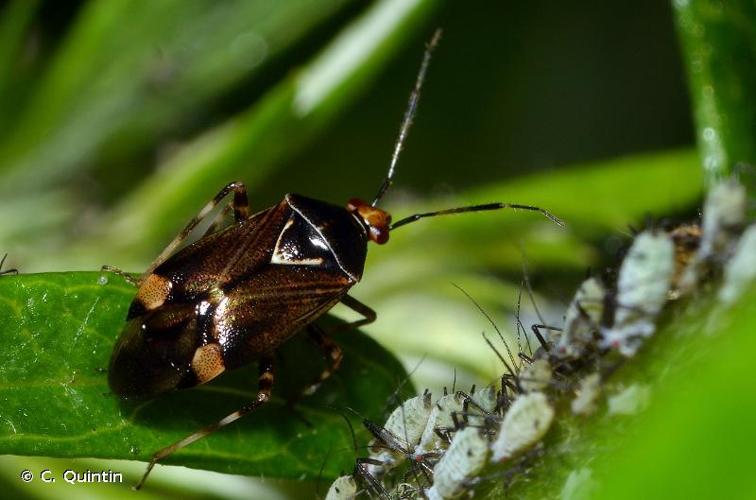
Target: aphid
x,y
524,424
724,215
740,270
399,436
582,320
642,290
342,488
237,294
630,400
466,456
535,376
687,240
436,435
588,391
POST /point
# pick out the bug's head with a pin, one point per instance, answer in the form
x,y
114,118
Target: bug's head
x,y
376,221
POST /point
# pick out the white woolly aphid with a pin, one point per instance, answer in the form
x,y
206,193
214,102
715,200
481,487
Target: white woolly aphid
x,y
406,424
535,376
586,395
440,419
740,271
527,420
724,213
343,488
465,457
483,403
644,282
582,319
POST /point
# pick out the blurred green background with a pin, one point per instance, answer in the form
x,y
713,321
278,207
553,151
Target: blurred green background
x,y
120,119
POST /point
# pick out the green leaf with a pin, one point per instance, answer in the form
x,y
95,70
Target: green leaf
x,y
719,46
55,401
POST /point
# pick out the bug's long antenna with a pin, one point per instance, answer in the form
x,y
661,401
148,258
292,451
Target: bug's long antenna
x,y
409,115
477,208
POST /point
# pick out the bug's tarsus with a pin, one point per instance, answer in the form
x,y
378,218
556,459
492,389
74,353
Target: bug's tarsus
x,y
409,116
7,271
240,205
264,387
477,208
130,279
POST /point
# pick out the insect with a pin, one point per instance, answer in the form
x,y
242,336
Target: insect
x,y
644,282
524,424
235,295
466,456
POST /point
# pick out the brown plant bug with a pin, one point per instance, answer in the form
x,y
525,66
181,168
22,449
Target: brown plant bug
x,y
235,295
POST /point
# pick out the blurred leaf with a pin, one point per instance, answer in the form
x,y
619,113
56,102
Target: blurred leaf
x,y
130,82
55,401
15,19
719,44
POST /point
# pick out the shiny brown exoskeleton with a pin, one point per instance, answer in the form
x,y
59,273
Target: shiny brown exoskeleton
x,y
237,294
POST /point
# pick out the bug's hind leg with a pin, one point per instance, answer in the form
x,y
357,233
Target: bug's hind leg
x,y
240,205
331,352
264,386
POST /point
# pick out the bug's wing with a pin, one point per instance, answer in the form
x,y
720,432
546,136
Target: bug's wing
x,y
222,257
154,351
272,305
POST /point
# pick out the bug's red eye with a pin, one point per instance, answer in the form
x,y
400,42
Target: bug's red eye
x,y
376,220
379,235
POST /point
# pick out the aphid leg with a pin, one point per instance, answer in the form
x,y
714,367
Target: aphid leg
x,y
264,386
360,308
131,280
7,271
375,486
240,205
331,352
541,339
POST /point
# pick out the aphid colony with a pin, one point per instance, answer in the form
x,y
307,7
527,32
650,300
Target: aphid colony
x,y
449,441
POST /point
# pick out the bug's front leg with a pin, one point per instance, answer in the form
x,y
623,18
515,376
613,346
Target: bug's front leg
x,y
368,315
264,387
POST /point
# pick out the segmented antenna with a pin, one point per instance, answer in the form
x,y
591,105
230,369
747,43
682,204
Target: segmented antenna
x,y
409,115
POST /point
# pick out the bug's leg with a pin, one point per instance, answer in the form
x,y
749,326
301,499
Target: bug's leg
x,y
7,271
331,352
240,205
131,280
264,386
218,219
360,308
